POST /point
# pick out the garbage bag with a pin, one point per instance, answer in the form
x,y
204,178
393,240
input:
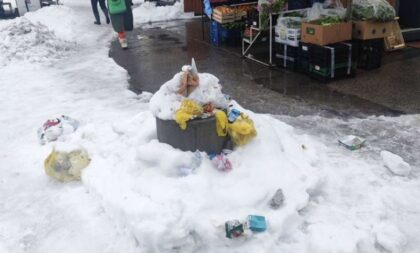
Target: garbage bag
x,y
52,129
189,110
66,166
373,10
242,130
221,123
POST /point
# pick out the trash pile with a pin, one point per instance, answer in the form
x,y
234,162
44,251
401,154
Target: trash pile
x,y
65,163
191,95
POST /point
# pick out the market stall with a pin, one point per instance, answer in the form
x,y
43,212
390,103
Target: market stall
x,y
326,41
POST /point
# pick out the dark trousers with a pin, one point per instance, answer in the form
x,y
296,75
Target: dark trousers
x,y
95,9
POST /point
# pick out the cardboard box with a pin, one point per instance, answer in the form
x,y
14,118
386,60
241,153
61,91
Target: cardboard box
x,y
326,34
366,30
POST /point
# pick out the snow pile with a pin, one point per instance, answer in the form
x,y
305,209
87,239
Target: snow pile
x,y
165,102
149,12
395,164
132,198
24,40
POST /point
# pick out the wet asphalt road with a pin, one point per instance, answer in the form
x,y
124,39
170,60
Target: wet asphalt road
x,y
158,51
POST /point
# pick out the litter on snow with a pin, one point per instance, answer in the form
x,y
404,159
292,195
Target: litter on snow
x,y
221,162
234,228
256,223
52,129
277,200
66,165
352,142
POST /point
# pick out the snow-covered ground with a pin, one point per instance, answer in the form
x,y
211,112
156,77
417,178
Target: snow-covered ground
x,y
131,198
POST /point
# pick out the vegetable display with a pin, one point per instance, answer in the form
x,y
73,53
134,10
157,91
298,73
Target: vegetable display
x,y
373,10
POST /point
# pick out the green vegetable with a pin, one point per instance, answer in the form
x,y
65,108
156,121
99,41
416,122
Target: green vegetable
x,y
373,10
329,21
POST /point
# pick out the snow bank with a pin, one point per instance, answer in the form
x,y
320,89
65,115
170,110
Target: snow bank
x,y
149,12
132,198
24,40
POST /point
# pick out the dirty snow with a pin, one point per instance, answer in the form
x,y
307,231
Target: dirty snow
x,y
131,198
23,40
149,12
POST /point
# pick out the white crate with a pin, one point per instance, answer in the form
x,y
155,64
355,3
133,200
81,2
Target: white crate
x,y
288,36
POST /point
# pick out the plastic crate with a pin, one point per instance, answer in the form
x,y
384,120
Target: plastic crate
x,y
369,53
326,63
286,56
220,35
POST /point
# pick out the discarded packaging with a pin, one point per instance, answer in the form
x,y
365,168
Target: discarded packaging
x,y
277,200
233,115
66,166
257,223
52,129
352,142
189,110
195,163
221,162
234,228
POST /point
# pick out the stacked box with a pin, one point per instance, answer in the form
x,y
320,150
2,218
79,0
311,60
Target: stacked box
x,y
326,63
286,35
286,56
220,34
369,53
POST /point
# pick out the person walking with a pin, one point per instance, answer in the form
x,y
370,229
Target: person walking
x,y
121,19
94,4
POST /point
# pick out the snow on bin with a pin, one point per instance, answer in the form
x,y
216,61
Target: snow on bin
x,y
191,114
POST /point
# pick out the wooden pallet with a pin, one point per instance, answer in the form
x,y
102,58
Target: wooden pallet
x,y
395,40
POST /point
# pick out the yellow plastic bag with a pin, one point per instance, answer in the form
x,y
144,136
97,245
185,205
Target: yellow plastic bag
x,y
242,130
189,109
221,123
66,166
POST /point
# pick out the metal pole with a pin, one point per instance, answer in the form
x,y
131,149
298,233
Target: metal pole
x,y
349,6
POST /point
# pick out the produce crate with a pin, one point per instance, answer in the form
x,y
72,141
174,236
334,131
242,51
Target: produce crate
x,y
287,36
221,35
286,56
223,14
326,34
326,63
369,53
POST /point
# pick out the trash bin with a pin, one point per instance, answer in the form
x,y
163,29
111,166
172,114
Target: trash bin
x,y
200,135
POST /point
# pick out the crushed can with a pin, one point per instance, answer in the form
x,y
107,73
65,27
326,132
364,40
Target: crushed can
x,y
277,200
257,223
352,142
234,228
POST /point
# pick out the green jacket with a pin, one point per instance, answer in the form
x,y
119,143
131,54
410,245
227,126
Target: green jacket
x,y
124,21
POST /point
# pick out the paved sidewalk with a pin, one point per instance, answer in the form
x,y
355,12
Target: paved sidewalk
x,y
158,51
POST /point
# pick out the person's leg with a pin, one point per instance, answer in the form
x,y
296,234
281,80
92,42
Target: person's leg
x,y
94,4
123,40
105,10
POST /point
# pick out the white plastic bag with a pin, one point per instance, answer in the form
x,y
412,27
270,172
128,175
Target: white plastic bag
x,y
331,8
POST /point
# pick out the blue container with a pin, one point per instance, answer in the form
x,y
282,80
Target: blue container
x,y
215,33
257,223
